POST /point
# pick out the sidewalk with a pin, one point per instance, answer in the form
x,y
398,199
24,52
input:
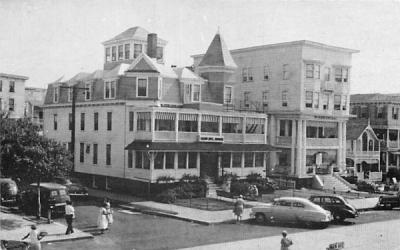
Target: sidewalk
x,y
371,236
14,227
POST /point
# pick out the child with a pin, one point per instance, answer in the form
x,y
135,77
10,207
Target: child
x,y
285,242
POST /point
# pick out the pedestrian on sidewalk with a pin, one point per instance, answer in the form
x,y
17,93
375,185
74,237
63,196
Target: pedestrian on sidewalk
x,y
285,242
35,238
102,221
238,208
110,218
69,216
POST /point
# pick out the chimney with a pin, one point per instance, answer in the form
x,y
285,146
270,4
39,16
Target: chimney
x,y
152,45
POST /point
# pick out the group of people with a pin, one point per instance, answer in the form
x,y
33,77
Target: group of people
x,y
105,217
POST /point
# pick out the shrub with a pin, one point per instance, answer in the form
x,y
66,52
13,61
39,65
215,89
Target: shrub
x,y
393,172
253,177
165,179
239,187
189,178
167,196
365,186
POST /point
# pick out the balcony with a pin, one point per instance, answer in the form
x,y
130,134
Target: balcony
x,y
324,142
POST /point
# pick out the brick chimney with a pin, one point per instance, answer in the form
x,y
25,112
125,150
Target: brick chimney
x,y
152,45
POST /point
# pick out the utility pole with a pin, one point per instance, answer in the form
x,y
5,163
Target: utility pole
x,y
73,107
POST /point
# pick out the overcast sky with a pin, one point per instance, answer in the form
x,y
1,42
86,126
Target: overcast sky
x,y
46,39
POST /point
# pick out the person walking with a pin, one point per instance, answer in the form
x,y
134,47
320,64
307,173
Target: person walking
x,y
285,241
69,216
35,238
238,208
110,218
102,220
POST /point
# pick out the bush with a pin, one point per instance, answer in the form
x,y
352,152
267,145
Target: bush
x,y
168,196
365,186
239,188
264,187
254,177
165,179
189,178
393,172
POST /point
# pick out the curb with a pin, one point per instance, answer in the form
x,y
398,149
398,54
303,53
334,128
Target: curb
x,y
69,239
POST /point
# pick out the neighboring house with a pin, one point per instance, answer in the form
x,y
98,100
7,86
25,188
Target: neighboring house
x,y
303,86
12,95
34,100
142,120
383,112
362,151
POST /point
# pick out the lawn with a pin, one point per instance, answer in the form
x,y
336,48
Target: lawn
x,y
206,204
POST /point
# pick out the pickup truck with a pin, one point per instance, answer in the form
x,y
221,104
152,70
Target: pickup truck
x,y
389,201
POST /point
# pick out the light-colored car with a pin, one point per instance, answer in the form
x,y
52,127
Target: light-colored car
x,y
292,210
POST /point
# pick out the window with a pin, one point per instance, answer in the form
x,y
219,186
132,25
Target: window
x,y
159,161
160,53
139,159
265,99
285,72
341,74
395,113
337,101
109,121
246,99
109,90
1,85
82,121
70,121
236,160
309,99
259,159
108,154
131,121
88,91
248,160
169,160
327,74
114,53
11,104
345,75
344,102
56,92
141,89
127,50
309,70
96,121
130,159
12,86
81,152
95,153
285,128
192,160
226,160
317,71
120,52
55,123
266,73
228,94
284,98
70,93
196,93
325,101
182,160
247,74
108,55
137,49
316,100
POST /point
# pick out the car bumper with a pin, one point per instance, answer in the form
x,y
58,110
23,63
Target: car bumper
x,y
78,194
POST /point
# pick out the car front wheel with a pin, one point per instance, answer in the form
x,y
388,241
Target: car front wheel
x,y
260,218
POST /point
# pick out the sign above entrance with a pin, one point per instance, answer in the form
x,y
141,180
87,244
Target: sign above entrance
x,y
218,139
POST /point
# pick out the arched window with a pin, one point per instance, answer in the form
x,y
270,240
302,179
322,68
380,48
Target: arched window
x,y
370,145
364,142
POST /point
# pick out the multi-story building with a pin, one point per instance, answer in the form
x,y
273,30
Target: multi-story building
x,y
303,86
382,110
12,95
34,100
141,121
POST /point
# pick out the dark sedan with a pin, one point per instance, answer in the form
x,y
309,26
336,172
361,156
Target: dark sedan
x,y
74,188
337,205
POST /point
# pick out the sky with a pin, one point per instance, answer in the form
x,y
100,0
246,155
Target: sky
x,y
48,39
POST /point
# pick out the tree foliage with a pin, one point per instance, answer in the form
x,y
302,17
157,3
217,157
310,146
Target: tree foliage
x,y
29,156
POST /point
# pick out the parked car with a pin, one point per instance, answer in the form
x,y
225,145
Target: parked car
x,y
293,210
337,205
53,196
8,190
74,188
389,201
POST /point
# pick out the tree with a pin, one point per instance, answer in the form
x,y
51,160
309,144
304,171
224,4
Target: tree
x,y
29,157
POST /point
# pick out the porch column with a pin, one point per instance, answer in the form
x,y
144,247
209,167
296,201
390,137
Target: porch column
x,y
344,145
387,138
304,152
387,160
198,163
135,122
266,131
339,151
244,129
299,147
293,148
220,125
152,125
272,130
177,127
199,124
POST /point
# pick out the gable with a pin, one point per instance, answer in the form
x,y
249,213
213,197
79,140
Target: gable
x,y
143,66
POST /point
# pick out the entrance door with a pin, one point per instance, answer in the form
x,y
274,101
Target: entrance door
x,y
209,164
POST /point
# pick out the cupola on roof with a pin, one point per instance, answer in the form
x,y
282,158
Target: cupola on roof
x,y
136,32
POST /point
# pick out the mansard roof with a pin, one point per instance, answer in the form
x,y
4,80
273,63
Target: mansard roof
x,y
136,32
218,54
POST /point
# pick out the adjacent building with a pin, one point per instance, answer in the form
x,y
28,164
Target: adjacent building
x,y
12,95
303,86
34,100
138,121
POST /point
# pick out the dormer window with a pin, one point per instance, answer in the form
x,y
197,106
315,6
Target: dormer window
x,y
196,93
108,54
137,49
127,51
141,87
56,94
228,94
120,52
160,53
109,89
192,93
114,53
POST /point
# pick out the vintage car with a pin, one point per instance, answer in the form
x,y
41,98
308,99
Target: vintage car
x,y
292,210
8,190
388,201
337,205
74,188
53,198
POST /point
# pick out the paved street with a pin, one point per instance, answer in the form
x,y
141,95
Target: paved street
x,y
139,231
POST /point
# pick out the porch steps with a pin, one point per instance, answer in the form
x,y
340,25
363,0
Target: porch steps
x,y
212,189
333,182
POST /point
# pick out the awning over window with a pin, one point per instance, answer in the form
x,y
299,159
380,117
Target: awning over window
x,y
209,118
199,147
144,115
165,116
231,119
252,120
187,117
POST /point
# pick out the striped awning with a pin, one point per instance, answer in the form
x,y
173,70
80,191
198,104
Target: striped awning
x,y
253,120
187,117
144,115
231,119
209,118
165,116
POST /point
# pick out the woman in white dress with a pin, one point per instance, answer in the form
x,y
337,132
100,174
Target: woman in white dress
x,y
102,221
